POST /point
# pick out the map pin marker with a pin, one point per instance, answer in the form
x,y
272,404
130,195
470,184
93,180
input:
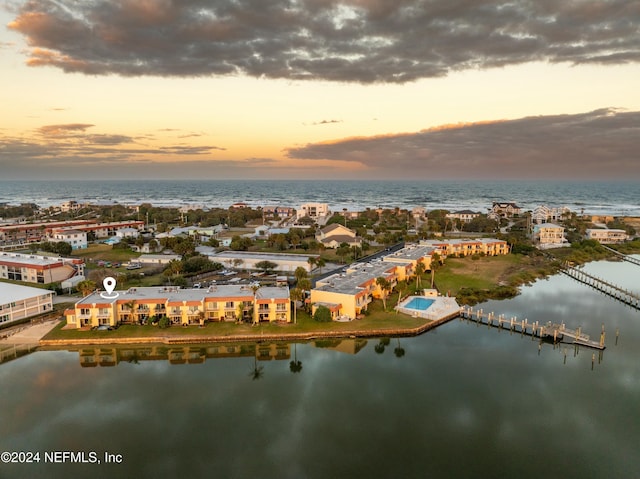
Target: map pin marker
x,y
109,284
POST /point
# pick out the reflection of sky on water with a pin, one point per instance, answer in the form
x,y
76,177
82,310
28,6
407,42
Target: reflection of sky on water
x,y
464,401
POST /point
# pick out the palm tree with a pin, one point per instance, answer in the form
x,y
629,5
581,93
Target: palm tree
x,y
305,285
420,269
296,295
295,366
312,262
254,288
257,372
130,305
399,350
435,264
384,286
86,287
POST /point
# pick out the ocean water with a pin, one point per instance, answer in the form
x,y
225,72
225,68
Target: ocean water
x,y
595,197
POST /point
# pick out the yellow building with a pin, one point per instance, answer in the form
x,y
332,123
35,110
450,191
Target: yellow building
x,y
468,247
349,293
182,306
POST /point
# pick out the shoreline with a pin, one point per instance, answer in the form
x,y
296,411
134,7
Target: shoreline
x,y
253,338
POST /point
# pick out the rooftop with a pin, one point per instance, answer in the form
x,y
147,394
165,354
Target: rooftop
x,y
10,293
175,294
351,282
35,260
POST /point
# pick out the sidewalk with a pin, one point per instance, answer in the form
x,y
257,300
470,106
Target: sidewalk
x,y
27,333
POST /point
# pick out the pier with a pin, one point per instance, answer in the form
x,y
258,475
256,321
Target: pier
x,y
624,296
549,330
623,257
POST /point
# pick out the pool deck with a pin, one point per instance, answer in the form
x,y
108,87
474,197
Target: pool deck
x,y
443,307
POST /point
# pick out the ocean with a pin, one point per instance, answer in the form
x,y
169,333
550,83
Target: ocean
x,y
592,197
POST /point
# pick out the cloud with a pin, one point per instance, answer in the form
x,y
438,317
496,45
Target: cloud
x,y
364,41
598,144
56,130
69,146
326,122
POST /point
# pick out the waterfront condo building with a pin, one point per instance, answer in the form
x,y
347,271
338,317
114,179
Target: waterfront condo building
x,y
348,294
468,247
182,306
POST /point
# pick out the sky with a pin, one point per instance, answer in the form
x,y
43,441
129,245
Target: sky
x,y
319,89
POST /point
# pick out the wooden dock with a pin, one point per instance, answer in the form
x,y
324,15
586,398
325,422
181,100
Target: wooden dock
x,y
624,257
549,330
624,296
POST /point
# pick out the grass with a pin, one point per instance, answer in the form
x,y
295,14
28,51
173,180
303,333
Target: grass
x,y
104,252
484,273
376,319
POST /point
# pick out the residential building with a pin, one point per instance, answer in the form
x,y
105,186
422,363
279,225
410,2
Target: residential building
x,y
549,235
70,206
313,210
183,306
465,216
128,233
158,259
36,232
348,294
468,247
39,269
607,236
21,302
249,259
546,214
503,210
334,235
279,211
76,238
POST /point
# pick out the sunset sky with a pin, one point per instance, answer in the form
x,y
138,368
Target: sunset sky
x,y
371,89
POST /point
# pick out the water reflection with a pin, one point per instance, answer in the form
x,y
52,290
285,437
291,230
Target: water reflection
x,y
463,401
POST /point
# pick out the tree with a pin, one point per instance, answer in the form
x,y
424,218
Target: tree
x,y
435,264
300,273
399,350
86,287
266,266
322,315
384,287
257,372
305,285
163,322
296,294
312,262
342,251
420,269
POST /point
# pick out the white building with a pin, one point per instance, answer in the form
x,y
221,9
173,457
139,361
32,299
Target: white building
x,y
249,259
607,236
157,259
33,268
465,216
76,238
546,214
20,302
313,210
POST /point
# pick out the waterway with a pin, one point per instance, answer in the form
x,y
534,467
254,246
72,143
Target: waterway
x,y
460,401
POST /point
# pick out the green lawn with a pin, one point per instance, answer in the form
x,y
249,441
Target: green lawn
x,y
105,252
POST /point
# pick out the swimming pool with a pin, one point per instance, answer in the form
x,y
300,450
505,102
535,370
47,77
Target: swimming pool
x,y
418,303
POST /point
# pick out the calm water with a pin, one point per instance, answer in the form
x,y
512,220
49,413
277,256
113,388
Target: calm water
x,y
617,198
463,401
